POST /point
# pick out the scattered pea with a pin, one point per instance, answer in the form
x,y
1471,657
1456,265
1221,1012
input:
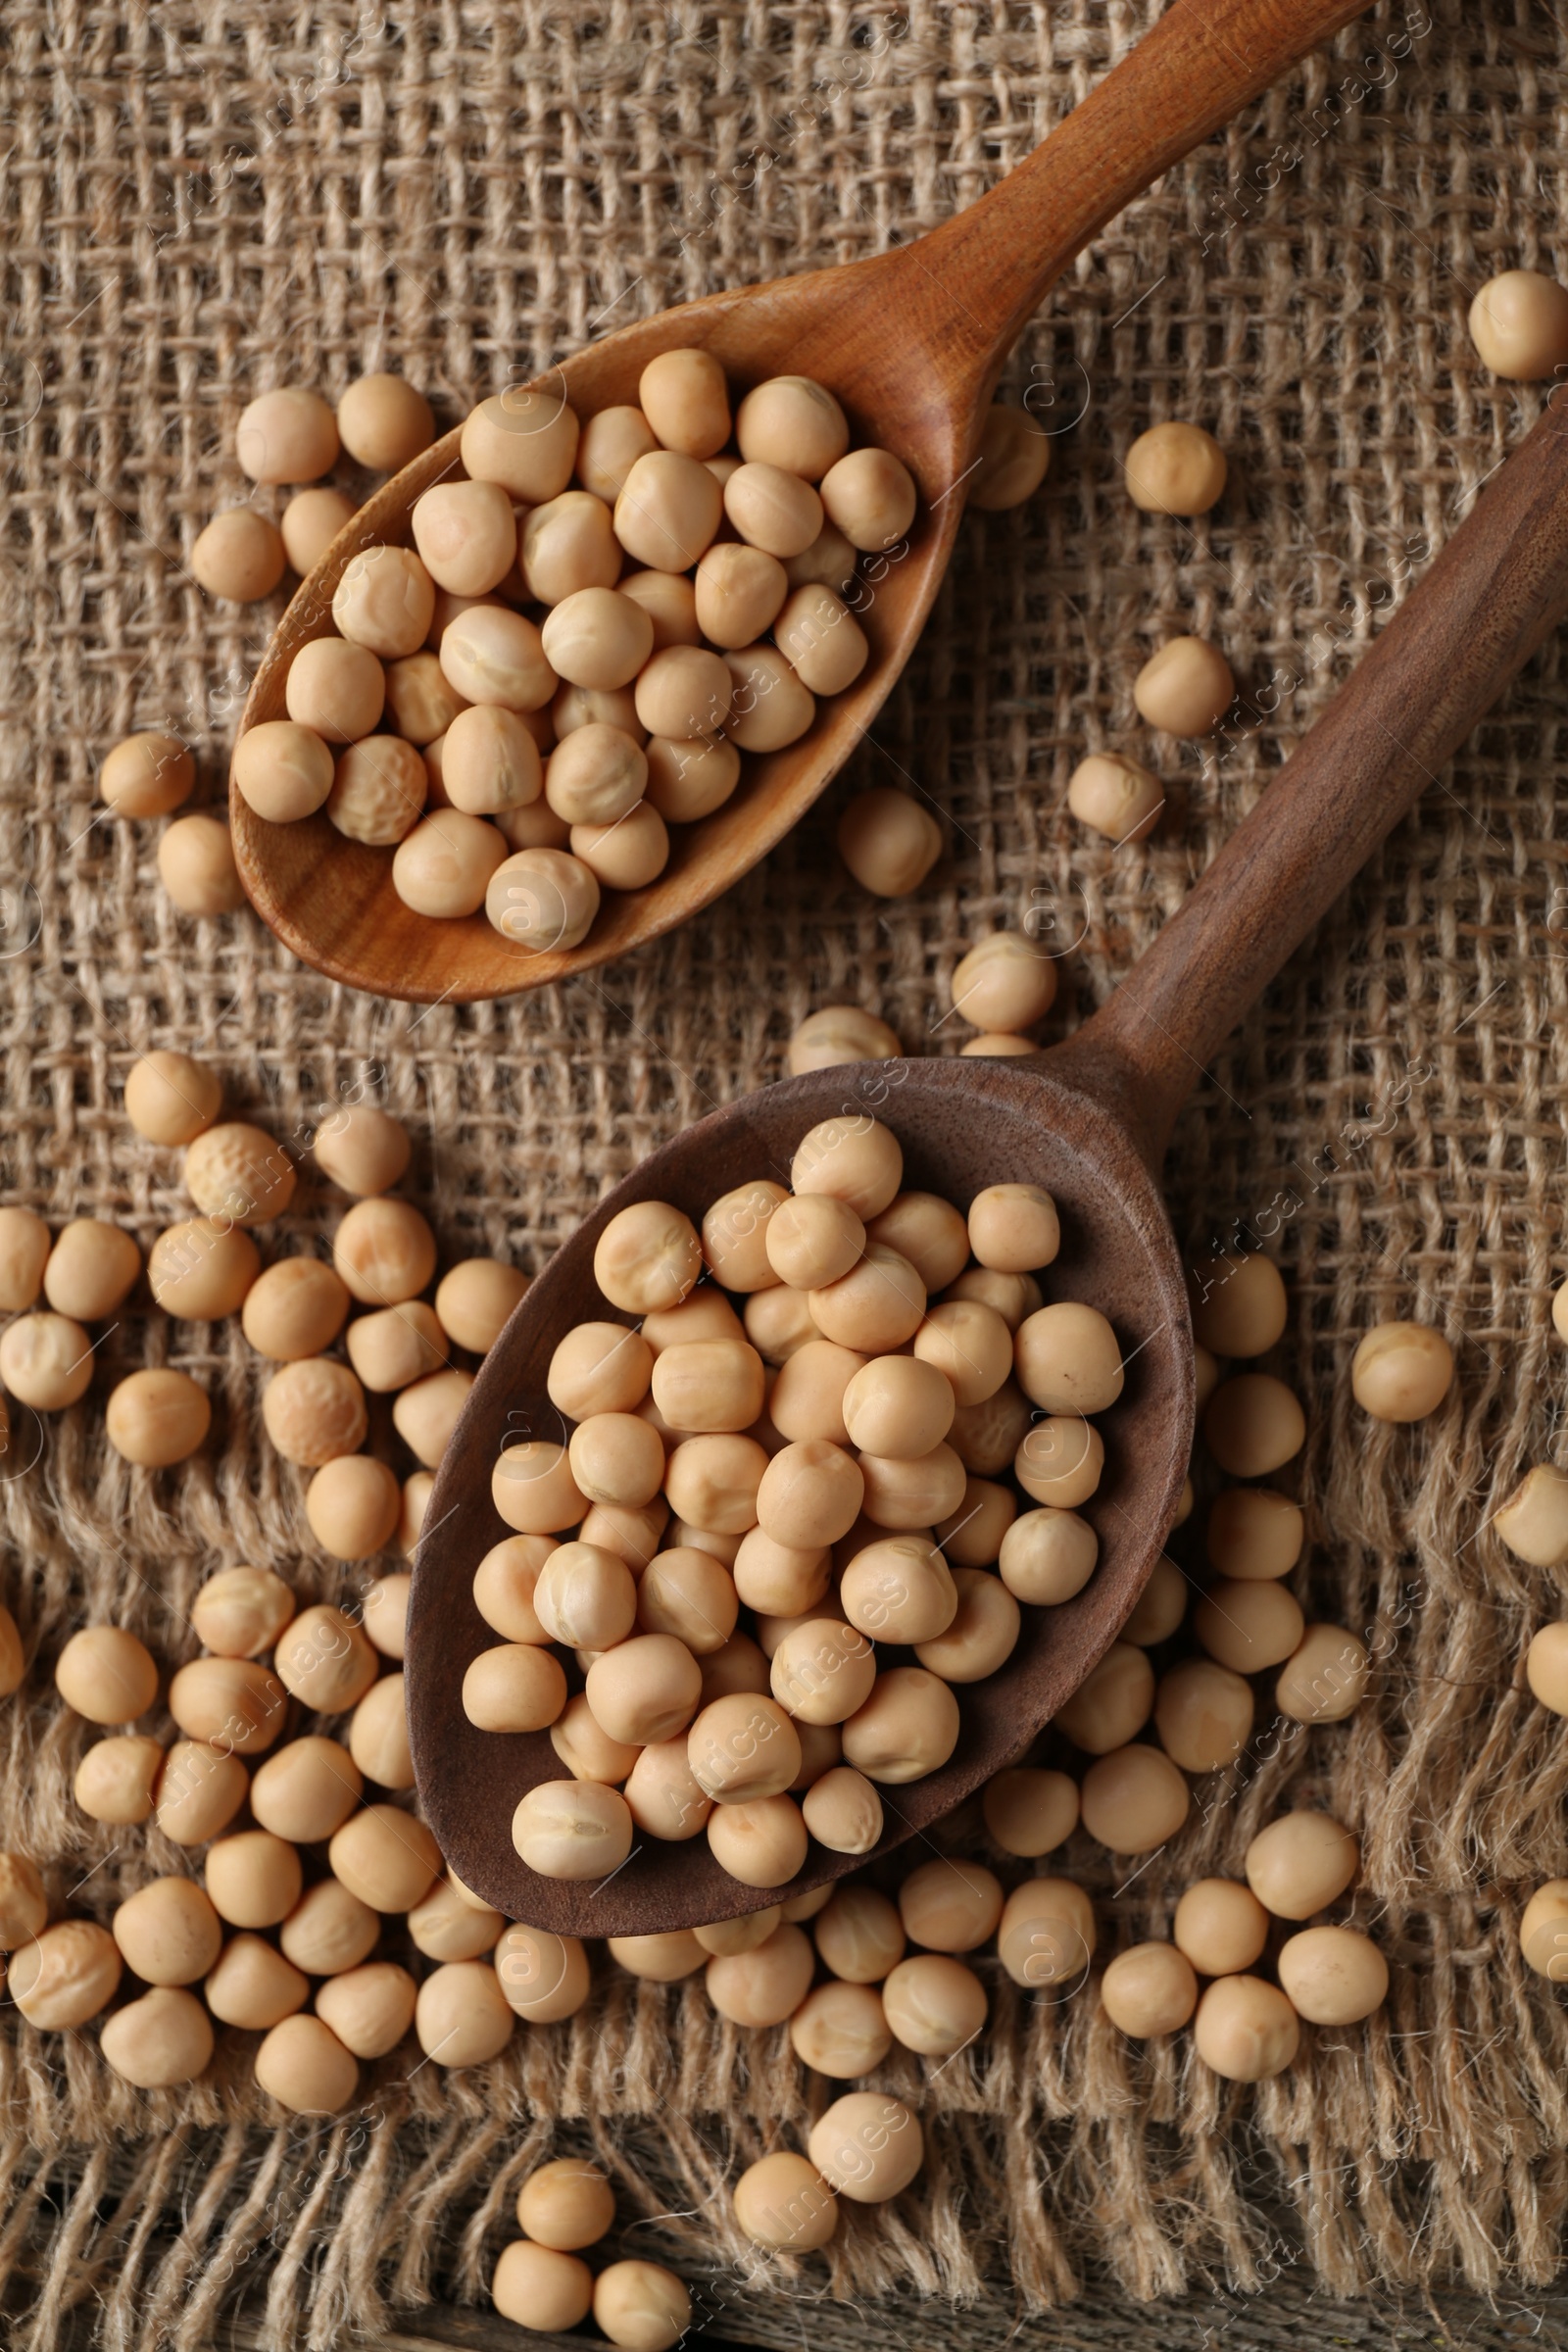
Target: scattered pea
x,y
286,436
416,1502
460,2015
66,1974
1186,688
868,2146
841,2030
114,1782
106,1675
1402,1371
253,1878
23,1905
236,1171
385,422
544,1977
1030,1812
254,1986
1546,1667
157,1418
1160,1606
147,776
369,2008
307,1791
1203,1713
1246,2029
239,556
352,1505
1175,469
1302,1863
1134,1799
1149,1988
447,1926
240,1611
1014,459
1332,1975
1004,982
1325,1677
1519,325
1249,1625
233,1701
311,521
641,2306
385,1857
540,2288
567,2205
329,1930
169,1932
91,1270
1254,1425
783,2203
24,1245
1112,795
294,1309
1252,1532
1112,1703
199,1789
888,841
303,2065
314,1409
325,1659
1221,1927
202,1269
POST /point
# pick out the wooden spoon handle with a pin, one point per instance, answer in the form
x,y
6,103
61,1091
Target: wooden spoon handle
x,y
1204,60
1495,593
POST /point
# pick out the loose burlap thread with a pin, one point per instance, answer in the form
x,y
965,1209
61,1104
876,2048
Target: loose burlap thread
x,y
202,201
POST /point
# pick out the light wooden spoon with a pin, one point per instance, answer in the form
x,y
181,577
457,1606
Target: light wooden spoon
x,y
913,342
1090,1120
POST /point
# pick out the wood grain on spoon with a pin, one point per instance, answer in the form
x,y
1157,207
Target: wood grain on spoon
x,y
1090,1120
911,341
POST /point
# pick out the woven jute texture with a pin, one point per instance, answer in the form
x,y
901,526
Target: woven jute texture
x,y
200,201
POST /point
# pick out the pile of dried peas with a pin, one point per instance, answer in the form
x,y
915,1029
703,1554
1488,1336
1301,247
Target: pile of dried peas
x,y
732,542
230,1704
313,1849
817,1498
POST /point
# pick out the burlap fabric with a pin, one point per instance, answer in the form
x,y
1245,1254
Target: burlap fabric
x,y
204,200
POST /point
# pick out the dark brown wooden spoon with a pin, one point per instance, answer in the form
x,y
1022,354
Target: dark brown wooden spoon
x,y
913,342
1090,1120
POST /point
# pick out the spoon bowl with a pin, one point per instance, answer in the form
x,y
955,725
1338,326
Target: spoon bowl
x,y
1090,1121
961,1125
911,342
332,899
